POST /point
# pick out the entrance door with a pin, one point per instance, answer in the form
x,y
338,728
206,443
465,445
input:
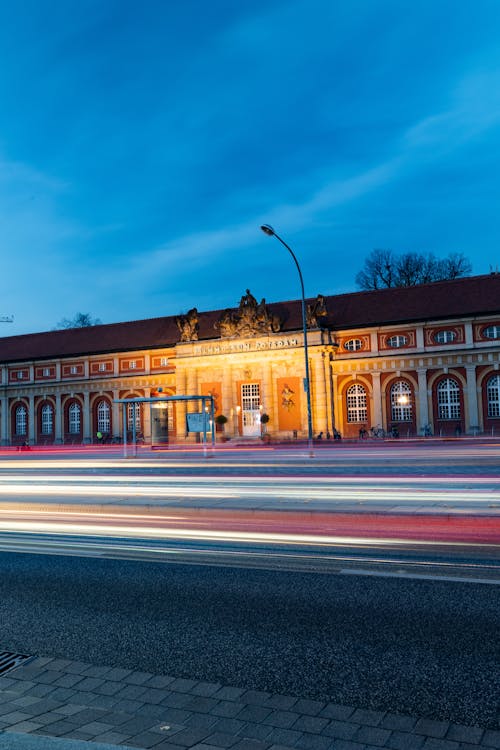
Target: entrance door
x,y
250,409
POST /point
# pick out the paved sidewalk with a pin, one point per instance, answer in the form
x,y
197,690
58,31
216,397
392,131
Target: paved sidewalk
x,y
104,706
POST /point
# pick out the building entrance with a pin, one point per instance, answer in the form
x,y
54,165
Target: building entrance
x,y
250,409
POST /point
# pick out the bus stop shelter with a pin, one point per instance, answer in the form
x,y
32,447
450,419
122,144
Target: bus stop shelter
x,y
201,421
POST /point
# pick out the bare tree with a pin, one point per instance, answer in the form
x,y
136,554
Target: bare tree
x,y
455,266
81,320
384,269
379,270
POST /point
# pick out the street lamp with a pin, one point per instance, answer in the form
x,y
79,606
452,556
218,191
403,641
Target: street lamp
x,y
270,231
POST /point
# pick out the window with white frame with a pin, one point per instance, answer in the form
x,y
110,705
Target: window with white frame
x,y
445,337
102,366
21,415
132,365
493,396
396,342
163,361
103,417
448,398
134,414
357,410
353,345
47,419
74,418
401,402
20,374
46,372
491,332
73,370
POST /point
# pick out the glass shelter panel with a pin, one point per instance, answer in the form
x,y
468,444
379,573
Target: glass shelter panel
x,y
160,423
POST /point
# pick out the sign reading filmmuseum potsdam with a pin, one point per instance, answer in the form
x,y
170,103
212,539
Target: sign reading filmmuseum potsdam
x,y
233,347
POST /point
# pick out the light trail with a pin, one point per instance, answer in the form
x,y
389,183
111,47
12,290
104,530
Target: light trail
x,y
370,493
463,491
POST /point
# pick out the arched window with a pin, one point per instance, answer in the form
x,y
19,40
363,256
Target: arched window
x,y
353,345
493,395
47,419
401,406
397,341
74,418
448,397
103,417
21,420
134,412
357,410
491,332
445,337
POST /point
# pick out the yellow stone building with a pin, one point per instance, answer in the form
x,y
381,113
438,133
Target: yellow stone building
x,y
408,361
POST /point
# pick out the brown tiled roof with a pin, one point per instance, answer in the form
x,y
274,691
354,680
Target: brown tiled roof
x,y
475,295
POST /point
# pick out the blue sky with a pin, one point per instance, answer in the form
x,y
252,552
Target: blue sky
x,y
143,144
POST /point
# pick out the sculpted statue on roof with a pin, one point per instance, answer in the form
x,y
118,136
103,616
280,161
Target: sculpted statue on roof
x,y
188,325
252,318
316,313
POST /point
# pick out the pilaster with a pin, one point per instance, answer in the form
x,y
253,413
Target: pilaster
x,y
377,401
472,403
423,400
87,438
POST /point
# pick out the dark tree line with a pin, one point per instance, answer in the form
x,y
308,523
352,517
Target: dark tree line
x,y
384,269
81,320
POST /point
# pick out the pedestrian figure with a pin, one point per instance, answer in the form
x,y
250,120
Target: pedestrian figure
x,y
99,436
320,436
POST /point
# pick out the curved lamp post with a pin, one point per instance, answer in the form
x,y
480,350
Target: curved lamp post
x,y
270,231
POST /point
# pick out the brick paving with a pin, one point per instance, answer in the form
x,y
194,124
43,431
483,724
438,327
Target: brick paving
x,y
58,698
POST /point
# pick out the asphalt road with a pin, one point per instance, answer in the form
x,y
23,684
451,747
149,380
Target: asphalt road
x,y
422,647
428,648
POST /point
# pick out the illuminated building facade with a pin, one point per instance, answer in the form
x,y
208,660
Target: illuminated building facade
x,y
413,361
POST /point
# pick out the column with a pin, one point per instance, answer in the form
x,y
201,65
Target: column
x,y
87,438
146,417
320,421
236,405
377,418
227,405
180,407
58,417
266,397
423,402
31,420
192,406
4,430
117,417
327,374
338,411
471,400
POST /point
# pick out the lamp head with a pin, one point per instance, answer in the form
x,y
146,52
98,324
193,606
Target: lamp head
x,y
267,229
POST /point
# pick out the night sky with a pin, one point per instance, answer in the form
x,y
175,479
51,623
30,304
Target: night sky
x,y
142,144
